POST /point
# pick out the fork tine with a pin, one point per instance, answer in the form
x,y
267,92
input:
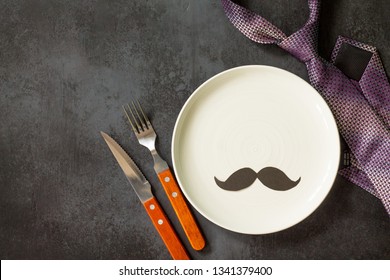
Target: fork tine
x,y
143,124
139,127
129,119
143,114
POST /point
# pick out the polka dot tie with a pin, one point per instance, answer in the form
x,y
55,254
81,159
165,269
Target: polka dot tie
x,y
361,107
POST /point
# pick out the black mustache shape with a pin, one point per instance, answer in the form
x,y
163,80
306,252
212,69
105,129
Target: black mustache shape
x,y
271,177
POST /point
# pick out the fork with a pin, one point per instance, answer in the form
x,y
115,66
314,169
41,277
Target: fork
x,y
146,136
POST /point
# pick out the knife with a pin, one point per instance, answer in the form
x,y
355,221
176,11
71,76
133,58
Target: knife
x,y
144,192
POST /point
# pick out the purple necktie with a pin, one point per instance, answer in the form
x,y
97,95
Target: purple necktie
x,y
359,102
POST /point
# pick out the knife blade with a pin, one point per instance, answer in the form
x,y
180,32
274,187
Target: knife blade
x,y
143,190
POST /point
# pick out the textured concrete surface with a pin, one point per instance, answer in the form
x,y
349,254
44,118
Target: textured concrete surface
x,y
66,67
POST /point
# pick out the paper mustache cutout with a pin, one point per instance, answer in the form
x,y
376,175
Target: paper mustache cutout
x,y
271,177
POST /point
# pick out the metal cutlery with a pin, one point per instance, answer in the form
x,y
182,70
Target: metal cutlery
x,y
146,136
143,190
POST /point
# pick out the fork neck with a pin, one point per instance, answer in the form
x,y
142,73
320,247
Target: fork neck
x,y
159,164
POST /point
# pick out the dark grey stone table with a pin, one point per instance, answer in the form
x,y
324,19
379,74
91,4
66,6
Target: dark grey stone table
x,y
66,67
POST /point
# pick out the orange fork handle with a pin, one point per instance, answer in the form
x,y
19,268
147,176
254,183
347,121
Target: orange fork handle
x,y
178,203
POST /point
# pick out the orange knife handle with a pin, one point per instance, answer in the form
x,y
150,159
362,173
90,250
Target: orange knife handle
x,y
186,219
165,229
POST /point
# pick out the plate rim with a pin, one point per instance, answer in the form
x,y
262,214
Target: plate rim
x,y
186,105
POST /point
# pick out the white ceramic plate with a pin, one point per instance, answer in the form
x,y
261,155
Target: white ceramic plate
x,y
255,117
